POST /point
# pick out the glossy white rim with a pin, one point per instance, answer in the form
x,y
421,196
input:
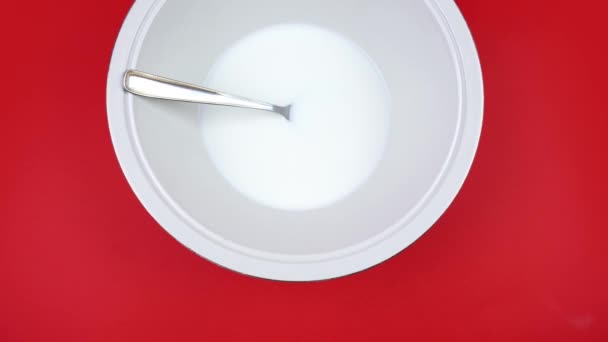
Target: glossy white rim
x,y
345,262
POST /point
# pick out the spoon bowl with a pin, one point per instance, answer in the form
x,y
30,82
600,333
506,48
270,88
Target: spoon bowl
x,y
427,57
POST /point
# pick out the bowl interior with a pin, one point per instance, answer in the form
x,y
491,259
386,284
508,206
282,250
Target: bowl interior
x,y
406,39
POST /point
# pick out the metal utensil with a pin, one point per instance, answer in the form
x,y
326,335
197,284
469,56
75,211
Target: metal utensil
x,y
148,85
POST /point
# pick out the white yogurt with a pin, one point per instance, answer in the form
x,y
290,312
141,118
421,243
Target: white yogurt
x,y
339,120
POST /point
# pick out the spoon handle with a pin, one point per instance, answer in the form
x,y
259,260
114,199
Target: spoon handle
x,y
148,85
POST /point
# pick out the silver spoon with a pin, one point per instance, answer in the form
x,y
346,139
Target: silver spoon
x,y
148,85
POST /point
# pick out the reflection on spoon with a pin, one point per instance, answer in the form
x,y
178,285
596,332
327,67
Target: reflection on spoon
x,y
148,85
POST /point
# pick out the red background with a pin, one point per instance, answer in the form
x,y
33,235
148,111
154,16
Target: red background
x,y
521,254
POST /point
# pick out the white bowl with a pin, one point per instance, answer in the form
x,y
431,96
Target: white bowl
x,y
429,61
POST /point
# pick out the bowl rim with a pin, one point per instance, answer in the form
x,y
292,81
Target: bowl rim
x,y
156,203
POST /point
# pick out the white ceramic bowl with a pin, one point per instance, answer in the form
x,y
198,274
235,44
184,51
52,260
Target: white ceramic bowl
x,y
429,61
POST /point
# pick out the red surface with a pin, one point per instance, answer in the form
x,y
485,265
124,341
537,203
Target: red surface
x,y
520,255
